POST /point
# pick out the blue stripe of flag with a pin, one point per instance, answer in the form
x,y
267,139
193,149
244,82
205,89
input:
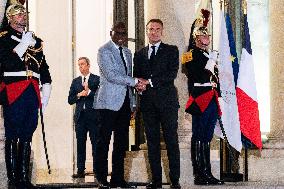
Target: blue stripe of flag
x,y
233,50
247,44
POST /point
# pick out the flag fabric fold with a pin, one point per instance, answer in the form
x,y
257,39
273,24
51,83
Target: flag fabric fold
x,y
247,94
230,115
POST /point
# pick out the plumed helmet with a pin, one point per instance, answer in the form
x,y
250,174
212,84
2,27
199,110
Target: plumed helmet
x,y
199,27
200,24
15,9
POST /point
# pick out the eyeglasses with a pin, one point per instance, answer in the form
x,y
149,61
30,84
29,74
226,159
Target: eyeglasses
x,y
120,33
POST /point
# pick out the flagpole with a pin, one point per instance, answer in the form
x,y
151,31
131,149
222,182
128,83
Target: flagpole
x,y
28,19
225,146
226,5
212,24
221,4
244,6
41,113
245,165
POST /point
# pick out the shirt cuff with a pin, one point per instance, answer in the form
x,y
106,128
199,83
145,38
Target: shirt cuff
x,y
150,81
89,92
136,81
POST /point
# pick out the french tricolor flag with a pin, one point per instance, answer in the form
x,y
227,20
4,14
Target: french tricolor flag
x,y
246,93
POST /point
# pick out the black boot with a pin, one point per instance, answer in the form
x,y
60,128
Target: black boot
x,y
207,165
200,177
193,156
24,163
11,162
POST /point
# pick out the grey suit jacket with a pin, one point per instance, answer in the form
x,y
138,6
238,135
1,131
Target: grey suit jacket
x,y
113,78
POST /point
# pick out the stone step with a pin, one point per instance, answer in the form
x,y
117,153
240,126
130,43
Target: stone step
x,y
267,167
137,167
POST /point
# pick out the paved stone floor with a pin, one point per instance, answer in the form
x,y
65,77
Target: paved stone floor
x,y
261,177
241,185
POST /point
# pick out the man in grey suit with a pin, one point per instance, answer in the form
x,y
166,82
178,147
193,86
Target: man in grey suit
x,y
82,92
114,101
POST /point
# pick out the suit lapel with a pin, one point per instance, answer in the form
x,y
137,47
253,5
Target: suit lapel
x,y
160,55
90,80
117,56
115,52
145,54
160,50
128,60
79,83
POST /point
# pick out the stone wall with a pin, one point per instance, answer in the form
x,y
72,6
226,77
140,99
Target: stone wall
x,y
276,18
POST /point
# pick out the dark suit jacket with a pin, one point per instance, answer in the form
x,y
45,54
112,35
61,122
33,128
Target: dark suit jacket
x,y
77,87
162,73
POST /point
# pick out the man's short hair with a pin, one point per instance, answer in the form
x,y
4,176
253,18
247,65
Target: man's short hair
x,y
155,20
85,58
118,25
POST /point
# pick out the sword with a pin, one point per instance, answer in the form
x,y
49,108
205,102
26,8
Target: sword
x,y
44,141
40,110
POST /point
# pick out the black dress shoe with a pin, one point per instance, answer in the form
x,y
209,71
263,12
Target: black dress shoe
x,y
25,185
120,184
232,177
103,185
200,180
153,185
12,184
79,175
175,186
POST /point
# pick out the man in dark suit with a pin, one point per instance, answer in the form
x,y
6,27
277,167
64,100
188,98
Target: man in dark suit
x,y
158,63
82,92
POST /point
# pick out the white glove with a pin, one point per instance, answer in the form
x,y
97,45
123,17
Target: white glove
x,y
213,55
210,65
221,102
46,90
26,41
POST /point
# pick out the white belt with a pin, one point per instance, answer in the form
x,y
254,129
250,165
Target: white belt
x,y
202,84
22,73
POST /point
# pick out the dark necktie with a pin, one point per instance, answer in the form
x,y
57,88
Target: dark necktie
x,y
124,63
121,55
84,80
152,56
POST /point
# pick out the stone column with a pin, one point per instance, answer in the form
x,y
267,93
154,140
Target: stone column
x,y
177,17
276,20
52,22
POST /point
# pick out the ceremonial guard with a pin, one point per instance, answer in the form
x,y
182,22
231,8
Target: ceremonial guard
x,y
23,68
203,87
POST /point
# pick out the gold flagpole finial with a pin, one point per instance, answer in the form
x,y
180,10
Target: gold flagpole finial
x,y
226,5
245,6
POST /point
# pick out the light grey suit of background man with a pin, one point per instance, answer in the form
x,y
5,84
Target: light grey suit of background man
x,y
114,101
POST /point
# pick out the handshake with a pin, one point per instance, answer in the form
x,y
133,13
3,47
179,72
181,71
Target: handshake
x,y
141,84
